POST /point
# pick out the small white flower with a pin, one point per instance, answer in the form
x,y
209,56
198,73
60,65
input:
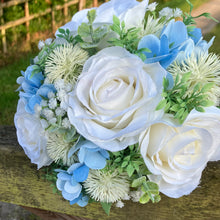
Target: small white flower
x,y
37,109
48,41
126,197
177,13
119,204
48,113
166,12
59,84
41,45
64,105
152,6
50,95
53,121
60,111
52,103
46,81
68,87
136,195
66,123
61,95
44,102
36,59
44,123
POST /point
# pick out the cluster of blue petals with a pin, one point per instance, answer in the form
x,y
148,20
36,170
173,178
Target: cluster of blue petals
x,y
174,38
32,88
69,182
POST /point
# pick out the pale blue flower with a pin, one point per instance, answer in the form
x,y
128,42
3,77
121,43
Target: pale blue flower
x,y
89,153
69,183
31,88
164,49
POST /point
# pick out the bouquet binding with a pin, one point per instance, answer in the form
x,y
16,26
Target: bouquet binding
x,y
124,107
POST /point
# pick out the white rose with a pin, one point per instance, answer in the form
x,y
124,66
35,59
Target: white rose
x,y
31,136
115,98
124,9
176,155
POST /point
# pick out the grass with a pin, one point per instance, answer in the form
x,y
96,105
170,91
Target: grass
x,y
11,66
8,96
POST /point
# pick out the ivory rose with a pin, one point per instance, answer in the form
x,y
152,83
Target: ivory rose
x,y
115,98
176,155
31,136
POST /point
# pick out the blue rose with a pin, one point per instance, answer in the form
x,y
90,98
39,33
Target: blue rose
x,y
32,88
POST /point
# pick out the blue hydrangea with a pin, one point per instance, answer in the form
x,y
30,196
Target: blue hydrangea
x,y
164,49
32,88
69,183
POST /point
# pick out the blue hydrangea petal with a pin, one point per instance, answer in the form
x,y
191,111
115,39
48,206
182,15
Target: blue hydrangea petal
x,y
152,43
164,45
104,153
73,181
73,167
60,184
60,170
36,79
76,200
95,160
45,89
81,173
70,196
64,176
72,189
196,35
83,201
169,59
81,154
29,87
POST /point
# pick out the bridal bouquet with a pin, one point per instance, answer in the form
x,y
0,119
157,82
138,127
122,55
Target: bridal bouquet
x,y
123,103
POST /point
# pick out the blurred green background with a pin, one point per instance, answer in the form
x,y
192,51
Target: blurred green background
x,y
18,57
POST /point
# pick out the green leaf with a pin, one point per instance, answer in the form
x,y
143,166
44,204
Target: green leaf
x,y
91,15
206,103
84,30
207,87
124,164
161,104
62,31
138,182
106,206
117,160
144,198
200,109
130,170
116,21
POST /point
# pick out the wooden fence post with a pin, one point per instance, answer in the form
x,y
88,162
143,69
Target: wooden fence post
x,y
82,4
65,11
4,43
26,8
95,3
53,19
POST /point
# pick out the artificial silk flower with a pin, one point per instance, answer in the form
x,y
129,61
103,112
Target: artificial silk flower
x,y
115,98
177,154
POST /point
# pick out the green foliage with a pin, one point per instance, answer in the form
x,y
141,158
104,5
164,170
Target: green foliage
x,y
106,206
65,34
179,102
126,38
128,160
150,190
88,36
188,19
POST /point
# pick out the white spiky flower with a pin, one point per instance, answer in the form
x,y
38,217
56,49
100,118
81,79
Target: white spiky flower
x,y
107,186
65,62
58,149
152,6
204,68
152,26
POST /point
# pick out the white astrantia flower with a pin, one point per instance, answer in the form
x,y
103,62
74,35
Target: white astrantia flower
x,y
31,136
107,186
166,12
136,195
177,13
115,98
204,68
52,121
48,41
152,26
66,123
48,113
177,154
58,148
50,95
65,62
